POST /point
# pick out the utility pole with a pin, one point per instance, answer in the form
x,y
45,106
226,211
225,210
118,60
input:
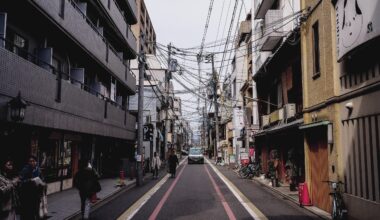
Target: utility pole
x,y
215,80
141,59
203,136
167,78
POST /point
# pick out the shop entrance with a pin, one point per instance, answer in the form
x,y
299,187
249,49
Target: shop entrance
x,y
318,154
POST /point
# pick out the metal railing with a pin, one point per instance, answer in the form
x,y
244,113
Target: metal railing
x,y
121,11
10,46
95,28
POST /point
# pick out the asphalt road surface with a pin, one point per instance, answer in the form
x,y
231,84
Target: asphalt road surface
x,y
200,191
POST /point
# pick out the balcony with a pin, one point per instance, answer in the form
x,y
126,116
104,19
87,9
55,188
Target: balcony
x,y
276,116
77,109
273,30
117,16
79,27
245,28
262,7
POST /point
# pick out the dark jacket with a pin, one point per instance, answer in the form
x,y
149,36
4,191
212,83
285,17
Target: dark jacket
x,y
173,161
86,181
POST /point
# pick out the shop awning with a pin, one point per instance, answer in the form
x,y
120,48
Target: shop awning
x,y
281,127
313,125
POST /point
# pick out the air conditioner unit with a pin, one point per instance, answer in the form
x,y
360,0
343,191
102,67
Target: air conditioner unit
x,y
289,110
265,120
281,114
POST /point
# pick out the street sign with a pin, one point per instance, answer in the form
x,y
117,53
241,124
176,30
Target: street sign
x,y
148,132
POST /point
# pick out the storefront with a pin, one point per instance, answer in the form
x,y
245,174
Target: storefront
x,y
318,163
280,152
58,152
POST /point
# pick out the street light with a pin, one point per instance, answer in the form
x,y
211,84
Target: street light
x,y
17,108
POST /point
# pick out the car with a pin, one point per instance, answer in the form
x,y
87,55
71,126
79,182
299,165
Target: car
x,y
195,155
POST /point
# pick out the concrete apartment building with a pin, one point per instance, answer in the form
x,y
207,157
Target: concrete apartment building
x,y
70,63
248,89
144,26
153,84
238,76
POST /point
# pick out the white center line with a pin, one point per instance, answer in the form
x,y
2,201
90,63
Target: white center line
x,y
131,211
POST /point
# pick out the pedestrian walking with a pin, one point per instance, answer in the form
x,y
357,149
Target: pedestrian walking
x,y
173,163
32,191
86,181
156,163
9,181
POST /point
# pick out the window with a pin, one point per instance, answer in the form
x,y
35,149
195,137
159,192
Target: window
x,y
62,9
17,44
316,66
276,5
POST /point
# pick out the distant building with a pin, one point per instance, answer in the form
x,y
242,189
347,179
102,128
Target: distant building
x,y
144,26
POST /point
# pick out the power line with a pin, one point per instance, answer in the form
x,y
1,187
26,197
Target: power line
x,y
206,26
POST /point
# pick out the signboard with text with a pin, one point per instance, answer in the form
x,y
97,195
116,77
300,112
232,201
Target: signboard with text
x,y
357,22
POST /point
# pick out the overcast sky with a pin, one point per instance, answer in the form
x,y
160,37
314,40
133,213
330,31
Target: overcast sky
x,y
182,23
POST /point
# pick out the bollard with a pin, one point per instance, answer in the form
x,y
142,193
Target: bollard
x,y
303,195
121,178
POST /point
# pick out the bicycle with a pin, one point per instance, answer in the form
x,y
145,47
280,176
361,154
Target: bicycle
x,y
339,211
249,171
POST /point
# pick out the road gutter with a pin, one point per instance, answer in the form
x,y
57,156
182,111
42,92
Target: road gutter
x,y
316,211
246,203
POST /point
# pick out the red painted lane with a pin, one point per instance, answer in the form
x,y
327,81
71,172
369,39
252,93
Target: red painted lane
x,y
154,215
227,208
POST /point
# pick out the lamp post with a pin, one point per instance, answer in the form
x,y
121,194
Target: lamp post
x,y
17,108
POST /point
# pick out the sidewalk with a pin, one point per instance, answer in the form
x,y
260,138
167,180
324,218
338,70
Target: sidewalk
x,y
284,191
65,204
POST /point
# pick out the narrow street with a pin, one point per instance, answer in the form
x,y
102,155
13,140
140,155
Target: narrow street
x,y
100,99
199,193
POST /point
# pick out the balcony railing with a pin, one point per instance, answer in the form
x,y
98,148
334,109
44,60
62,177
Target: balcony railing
x,y
89,22
95,28
10,46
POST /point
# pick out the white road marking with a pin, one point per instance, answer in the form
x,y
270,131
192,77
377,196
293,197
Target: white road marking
x,y
248,205
131,211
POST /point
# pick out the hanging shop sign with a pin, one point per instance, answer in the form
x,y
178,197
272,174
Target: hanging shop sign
x,y
357,22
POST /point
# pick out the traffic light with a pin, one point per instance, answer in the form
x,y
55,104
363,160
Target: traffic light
x,y
148,132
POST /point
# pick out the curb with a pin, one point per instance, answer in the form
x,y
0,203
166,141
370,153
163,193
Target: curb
x,y
111,196
289,198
